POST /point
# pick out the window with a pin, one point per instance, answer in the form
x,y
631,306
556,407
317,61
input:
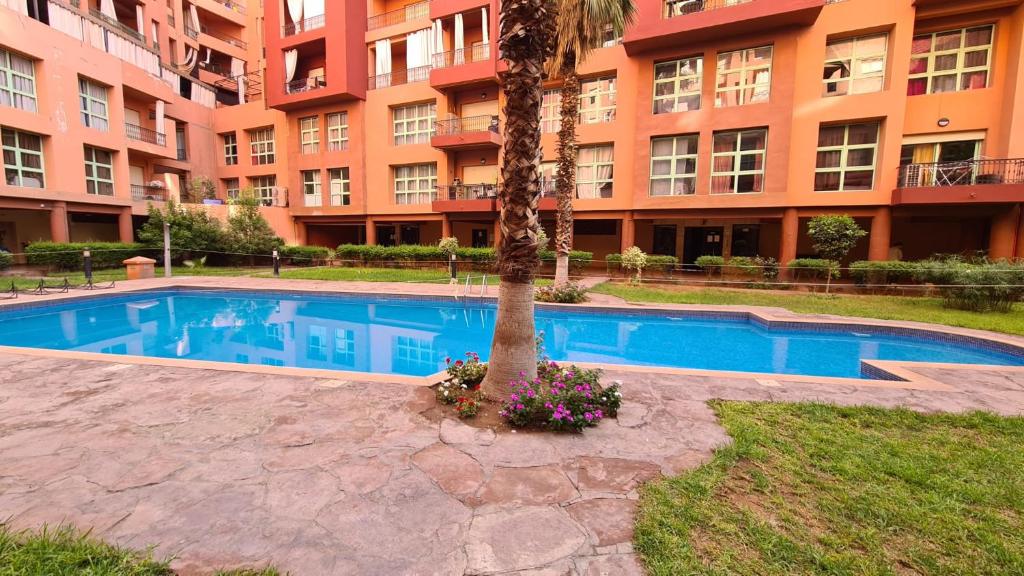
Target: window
x,y
17,81
744,77
414,124
597,100
311,188
99,171
230,148
674,165
594,172
344,347
93,100
415,184
309,135
317,343
23,158
737,162
414,355
950,61
846,157
263,188
677,85
548,178
855,65
339,182
609,38
261,145
551,111
231,188
337,131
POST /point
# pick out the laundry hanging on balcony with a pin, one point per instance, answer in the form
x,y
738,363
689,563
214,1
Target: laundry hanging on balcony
x,y
238,73
191,58
291,58
460,41
382,64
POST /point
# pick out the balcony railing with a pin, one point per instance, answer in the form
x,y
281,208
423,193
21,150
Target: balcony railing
x,y
223,37
467,192
303,25
962,173
141,192
675,8
191,32
305,84
399,77
408,13
118,25
468,124
478,53
240,8
144,134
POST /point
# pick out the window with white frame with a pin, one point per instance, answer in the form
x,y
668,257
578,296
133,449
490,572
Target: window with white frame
x,y
309,135
737,161
263,188
230,148
744,77
261,145
677,85
951,60
337,131
846,157
17,81
231,188
340,186
316,342
414,353
594,168
548,177
609,38
551,111
311,188
344,347
415,184
855,65
93,104
674,165
597,100
99,171
23,158
414,124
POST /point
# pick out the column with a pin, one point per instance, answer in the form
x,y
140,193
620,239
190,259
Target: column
x,y
790,233
125,228
1003,235
881,234
446,226
371,232
628,238
59,222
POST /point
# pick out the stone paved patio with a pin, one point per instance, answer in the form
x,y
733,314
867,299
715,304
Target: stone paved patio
x,y
322,476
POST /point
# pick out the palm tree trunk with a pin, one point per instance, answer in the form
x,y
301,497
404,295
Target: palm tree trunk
x,y
566,181
525,40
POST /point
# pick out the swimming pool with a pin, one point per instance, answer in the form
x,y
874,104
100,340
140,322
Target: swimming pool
x,y
408,336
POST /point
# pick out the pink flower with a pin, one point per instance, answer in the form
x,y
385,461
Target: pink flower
x,y
588,416
520,407
530,394
515,397
447,359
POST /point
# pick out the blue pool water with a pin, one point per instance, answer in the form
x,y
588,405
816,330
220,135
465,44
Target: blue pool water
x,y
413,337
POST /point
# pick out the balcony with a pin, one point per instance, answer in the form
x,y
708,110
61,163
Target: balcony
x,y
305,84
484,197
678,23
191,32
301,26
464,66
399,77
118,26
226,38
467,133
141,134
987,181
240,8
146,193
418,11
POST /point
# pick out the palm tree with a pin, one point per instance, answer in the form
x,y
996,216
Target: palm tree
x,y
526,40
580,28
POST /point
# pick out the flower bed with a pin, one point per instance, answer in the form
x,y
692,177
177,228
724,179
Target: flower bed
x,y
560,398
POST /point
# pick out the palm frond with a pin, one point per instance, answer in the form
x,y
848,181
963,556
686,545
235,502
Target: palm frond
x,y
580,27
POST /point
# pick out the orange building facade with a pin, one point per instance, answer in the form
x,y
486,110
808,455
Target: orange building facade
x,y
710,127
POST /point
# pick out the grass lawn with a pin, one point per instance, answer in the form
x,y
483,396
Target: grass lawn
x,y
102,276
813,489
64,550
881,307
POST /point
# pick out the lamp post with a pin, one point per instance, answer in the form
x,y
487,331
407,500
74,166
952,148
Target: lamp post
x,y
167,249
87,265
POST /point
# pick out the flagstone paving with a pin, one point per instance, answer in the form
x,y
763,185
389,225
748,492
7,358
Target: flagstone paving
x,y
319,476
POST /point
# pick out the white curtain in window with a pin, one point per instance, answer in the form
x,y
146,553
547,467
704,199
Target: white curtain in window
x,y
159,124
417,49
193,15
460,41
140,22
311,8
486,26
238,73
96,35
156,35
291,58
382,64
440,36
65,20
295,10
604,157
107,9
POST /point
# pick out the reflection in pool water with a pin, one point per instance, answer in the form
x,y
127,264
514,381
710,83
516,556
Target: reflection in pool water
x,y
412,337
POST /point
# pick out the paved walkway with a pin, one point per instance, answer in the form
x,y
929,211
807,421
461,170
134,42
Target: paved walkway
x,y
322,476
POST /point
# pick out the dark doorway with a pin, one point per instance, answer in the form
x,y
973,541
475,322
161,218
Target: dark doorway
x,y
745,239
665,240
386,235
703,241
410,234
479,238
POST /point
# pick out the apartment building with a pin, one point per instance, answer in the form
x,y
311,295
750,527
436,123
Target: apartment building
x,y
710,127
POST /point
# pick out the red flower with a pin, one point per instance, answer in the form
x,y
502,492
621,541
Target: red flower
x,y
458,362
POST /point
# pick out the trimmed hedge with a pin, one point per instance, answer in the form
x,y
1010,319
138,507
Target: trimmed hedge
x,y
656,262
305,255
417,253
5,260
875,272
68,256
984,286
813,268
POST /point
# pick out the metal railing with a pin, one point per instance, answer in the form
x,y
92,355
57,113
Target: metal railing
x,y
118,25
467,191
962,173
191,32
223,37
141,192
468,124
399,77
182,154
134,132
305,84
478,53
405,14
675,8
303,25
240,8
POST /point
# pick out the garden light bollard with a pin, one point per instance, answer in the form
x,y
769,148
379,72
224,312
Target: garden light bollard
x,y
167,249
277,264
453,268
87,266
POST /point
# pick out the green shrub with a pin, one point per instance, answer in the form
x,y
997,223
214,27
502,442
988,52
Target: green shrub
x,y
192,230
882,272
834,235
813,268
769,267
743,266
563,398
578,259
305,255
477,255
565,294
710,264
5,260
365,254
66,256
984,286
634,260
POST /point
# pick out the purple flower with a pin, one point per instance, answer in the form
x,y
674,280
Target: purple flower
x,y
530,394
599,414
588,416
515,398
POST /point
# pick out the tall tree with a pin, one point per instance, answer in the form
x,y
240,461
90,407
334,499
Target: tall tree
x,y
580,28
526,40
